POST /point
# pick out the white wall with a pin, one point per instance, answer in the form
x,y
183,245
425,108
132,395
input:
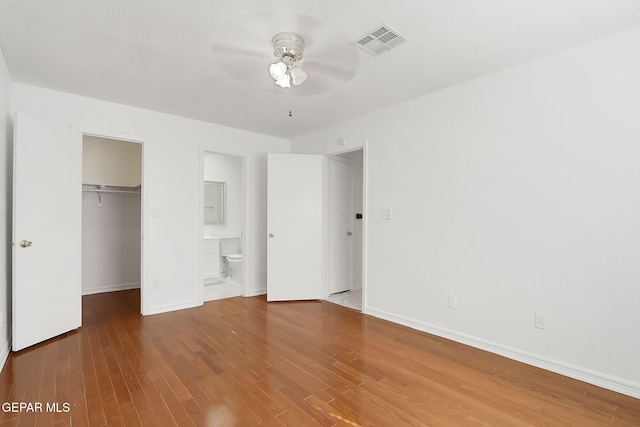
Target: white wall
x,y
227,169
110,242
172,182
111,162
6,160
518,193
110,229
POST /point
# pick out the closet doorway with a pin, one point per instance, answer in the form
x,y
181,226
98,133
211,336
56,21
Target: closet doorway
x,y
111,215
345,213
223,205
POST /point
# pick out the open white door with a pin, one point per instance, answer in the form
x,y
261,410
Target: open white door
x,y
340,226
47,227
294,227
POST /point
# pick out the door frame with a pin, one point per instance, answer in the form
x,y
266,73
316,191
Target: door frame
x,y
325,281
200,236
143,202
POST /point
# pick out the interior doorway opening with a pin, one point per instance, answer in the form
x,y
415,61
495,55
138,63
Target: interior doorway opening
x,y
345,229
223,217
111,215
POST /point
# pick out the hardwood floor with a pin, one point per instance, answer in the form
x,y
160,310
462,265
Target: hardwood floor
x,y
243,362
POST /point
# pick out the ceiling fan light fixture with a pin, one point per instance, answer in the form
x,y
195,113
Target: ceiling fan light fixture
x,y
298,76
278,70
288,49
284,81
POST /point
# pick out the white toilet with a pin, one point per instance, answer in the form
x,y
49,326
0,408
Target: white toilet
x,y
234,267
231,253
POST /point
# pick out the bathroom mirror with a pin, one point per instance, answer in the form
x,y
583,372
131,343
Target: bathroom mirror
x,y
214,201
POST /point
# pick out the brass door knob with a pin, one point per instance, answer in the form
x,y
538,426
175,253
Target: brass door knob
x,y
25,244
349,233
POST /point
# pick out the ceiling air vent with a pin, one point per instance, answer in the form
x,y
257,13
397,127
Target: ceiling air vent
x,y
379,40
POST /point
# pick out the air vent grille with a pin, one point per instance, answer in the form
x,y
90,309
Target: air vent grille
x,y
380,39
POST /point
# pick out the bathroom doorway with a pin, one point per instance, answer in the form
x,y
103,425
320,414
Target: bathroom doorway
x,y
223,205
345,211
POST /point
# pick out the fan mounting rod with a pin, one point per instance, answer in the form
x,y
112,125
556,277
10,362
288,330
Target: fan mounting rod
x,y
288,47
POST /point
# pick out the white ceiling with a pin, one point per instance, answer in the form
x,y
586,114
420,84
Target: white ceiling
x,y
208,60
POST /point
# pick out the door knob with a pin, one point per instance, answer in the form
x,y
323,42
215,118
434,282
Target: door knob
x,y
271,235
25,244
349,233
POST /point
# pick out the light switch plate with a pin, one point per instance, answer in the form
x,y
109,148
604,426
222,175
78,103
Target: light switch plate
x,y
387,213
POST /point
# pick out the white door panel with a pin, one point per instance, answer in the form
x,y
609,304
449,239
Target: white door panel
x,y
294,227
47,213
340,226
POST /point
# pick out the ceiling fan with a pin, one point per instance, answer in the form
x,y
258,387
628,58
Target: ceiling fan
x,y
242,49
288,48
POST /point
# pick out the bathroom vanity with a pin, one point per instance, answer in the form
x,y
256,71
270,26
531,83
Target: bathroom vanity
x,y
211,260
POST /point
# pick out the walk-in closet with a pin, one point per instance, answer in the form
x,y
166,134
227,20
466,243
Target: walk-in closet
x,y
111,220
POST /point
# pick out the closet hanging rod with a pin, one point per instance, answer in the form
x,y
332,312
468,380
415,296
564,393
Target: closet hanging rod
x,y
110,188
113,191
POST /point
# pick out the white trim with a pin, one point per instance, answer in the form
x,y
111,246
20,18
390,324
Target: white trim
x,y
572,371
168,308
110,288
324,283
200,236
245,224
365,221
107,134
4,352
256,292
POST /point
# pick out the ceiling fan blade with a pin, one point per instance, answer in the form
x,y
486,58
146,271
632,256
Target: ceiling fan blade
x,y
315,86
226,51
306,26
339,72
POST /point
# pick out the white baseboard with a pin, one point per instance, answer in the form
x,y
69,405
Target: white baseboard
x,y
5,347
167,308
110,288
255,292
599,379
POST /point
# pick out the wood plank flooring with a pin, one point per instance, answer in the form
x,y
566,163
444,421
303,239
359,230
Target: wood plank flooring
x,y
243,362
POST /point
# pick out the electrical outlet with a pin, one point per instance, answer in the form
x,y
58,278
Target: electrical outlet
x,y
387,213
452,301
155,284
541,321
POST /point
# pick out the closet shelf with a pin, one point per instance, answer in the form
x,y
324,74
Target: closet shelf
x,y
97,188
